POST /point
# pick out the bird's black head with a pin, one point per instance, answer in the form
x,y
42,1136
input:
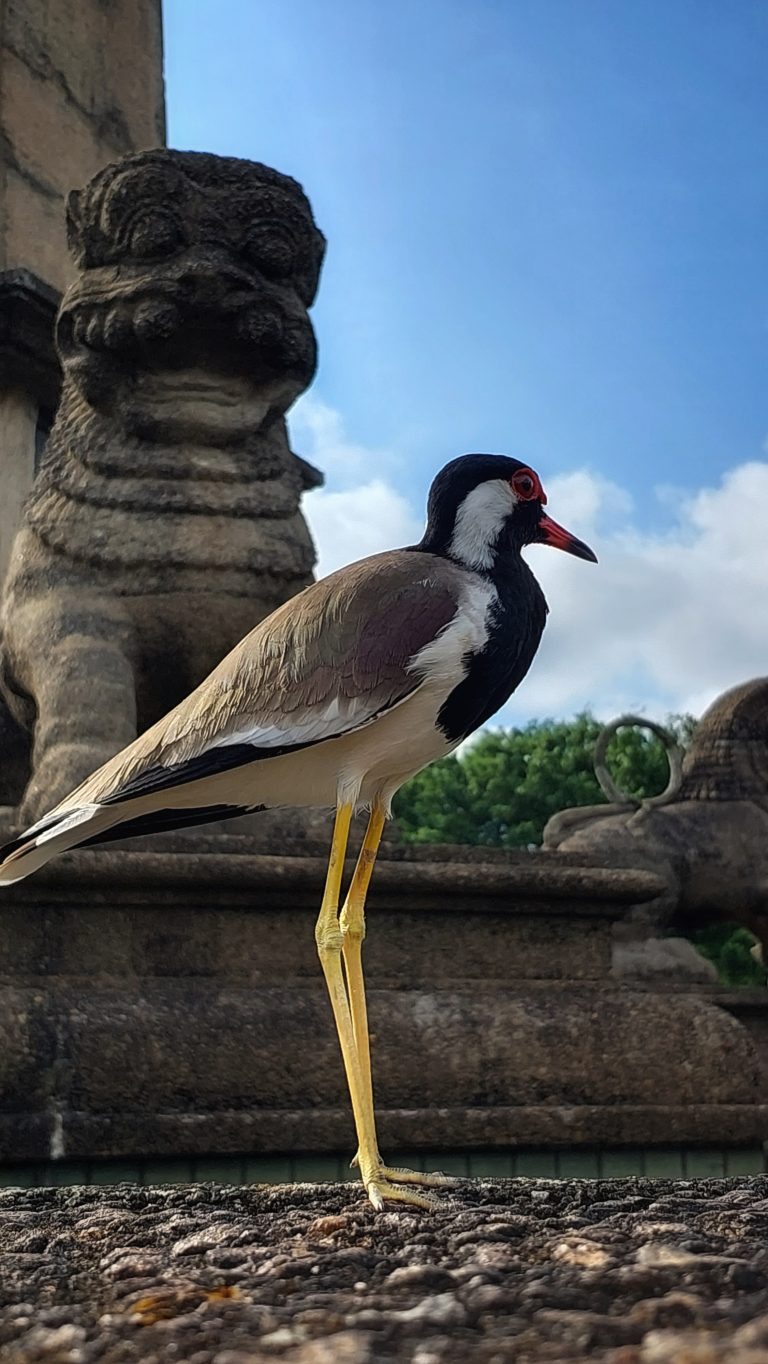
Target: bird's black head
x,y
484,508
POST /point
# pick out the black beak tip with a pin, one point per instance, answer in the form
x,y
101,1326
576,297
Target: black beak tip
x,y
584,552
549,532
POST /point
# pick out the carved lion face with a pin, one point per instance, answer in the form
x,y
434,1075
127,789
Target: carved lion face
x,y
192,265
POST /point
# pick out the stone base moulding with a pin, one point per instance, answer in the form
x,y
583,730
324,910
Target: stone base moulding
x,y
161,1003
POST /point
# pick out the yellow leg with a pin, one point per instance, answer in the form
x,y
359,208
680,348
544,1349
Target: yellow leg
x,y
352,927
329,945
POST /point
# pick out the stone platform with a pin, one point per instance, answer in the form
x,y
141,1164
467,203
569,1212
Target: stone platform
x,y
510,1271
165,1002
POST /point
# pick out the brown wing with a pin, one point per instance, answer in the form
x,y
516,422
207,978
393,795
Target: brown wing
x,y
327,662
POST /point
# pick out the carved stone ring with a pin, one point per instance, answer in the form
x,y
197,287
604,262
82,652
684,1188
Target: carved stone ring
x,y
673,751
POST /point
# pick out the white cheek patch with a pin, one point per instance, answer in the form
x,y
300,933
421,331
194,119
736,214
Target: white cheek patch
x,y
479,521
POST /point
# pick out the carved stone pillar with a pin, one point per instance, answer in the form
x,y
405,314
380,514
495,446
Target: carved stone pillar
x,y
80,83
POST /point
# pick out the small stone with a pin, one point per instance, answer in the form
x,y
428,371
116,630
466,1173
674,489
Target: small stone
x,y
345,1347
283,1337
418,1276
656,1254
585,1254
206,1238
228,1257
471,1274
745,1277
442,1309
433,1353
237,1357
681,1347
133,1265
325,1227
671,1311
754,1334
487,1297
62,1343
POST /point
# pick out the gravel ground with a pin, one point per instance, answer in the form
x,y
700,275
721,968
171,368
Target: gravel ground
x,y
621,1271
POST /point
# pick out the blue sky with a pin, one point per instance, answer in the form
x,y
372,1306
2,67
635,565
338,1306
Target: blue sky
x,y
546,224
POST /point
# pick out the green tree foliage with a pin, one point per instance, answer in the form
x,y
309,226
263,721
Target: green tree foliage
x,y
731,950
505,785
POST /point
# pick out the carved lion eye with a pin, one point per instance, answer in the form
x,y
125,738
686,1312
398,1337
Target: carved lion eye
x,y
156,235
526,485
273,253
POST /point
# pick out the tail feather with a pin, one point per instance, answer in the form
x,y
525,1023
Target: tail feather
x,y
49,837
86,825
168,821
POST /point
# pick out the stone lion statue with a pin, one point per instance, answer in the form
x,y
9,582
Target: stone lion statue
x,y
164,521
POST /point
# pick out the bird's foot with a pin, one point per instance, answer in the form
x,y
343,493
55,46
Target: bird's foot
x,y
391,1182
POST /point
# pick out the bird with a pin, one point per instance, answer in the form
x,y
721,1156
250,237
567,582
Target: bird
x,y
335,700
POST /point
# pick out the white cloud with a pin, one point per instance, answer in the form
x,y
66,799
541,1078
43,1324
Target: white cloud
x,y
355,513
663,623
317,433
357,521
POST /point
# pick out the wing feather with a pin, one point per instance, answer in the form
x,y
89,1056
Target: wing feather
x,y
327,662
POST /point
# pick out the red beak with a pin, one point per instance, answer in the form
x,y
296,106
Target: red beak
x,y
550,533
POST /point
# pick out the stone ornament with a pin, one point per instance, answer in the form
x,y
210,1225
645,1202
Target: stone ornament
x,y
709,842
164,522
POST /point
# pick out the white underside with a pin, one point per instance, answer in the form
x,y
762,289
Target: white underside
x,y
358,768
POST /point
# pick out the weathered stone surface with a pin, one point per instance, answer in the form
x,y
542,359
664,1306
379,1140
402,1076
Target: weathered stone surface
x,y
77,91
164,522
27,1050
661,959
263,944
18,415
228,863
81,84
620,1272
493,1014
435,1050
29,369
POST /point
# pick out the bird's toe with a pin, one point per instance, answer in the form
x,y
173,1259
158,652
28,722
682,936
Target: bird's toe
x,y
433,1179
381,1189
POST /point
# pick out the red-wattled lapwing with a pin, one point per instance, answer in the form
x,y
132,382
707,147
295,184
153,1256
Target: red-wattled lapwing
x,y
335,700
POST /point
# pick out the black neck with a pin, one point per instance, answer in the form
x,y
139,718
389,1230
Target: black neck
x,y
515,626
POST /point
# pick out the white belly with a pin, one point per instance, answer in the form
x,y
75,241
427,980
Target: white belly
x,y
356,768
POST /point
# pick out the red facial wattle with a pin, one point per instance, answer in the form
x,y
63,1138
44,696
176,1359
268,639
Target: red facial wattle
x,y
526,485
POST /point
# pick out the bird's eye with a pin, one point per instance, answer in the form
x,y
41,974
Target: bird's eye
x,y
525,485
